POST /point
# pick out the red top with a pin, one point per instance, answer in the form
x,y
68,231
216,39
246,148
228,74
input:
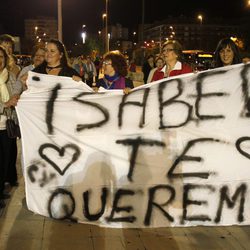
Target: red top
x,y
185,68
179,69
158,75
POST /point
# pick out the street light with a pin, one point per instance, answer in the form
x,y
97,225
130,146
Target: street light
x,y
106,27
103,22
84,33
200,17
83,37
36,28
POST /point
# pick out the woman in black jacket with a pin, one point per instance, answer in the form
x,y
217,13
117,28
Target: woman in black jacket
x,y
56,61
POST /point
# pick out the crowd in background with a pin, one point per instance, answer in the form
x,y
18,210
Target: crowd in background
x,y
110,71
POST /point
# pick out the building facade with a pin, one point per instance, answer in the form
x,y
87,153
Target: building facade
x,y
203,36
41,29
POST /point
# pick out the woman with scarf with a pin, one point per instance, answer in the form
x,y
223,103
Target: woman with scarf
x,y
9,95
115,71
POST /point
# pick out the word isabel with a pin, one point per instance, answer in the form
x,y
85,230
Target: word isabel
x,y
177,99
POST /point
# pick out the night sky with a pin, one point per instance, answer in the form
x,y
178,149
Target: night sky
x,y
126,12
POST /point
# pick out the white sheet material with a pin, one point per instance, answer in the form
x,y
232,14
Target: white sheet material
x,y
191,153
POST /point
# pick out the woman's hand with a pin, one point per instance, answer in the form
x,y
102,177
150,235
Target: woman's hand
x,y
23,80
76,78
95,88
12,101
126,90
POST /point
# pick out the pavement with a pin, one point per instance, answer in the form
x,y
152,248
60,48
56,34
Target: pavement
x,y
21,229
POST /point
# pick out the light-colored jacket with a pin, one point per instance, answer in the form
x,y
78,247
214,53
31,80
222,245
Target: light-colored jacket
x,y
14,88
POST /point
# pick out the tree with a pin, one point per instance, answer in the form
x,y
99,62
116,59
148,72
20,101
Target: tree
x,y
91,44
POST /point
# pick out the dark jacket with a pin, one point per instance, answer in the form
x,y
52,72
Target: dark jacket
x,y
65,71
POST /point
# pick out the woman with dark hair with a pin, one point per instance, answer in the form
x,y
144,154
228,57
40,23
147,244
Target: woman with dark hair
x,y
226,53
9,95
115,70
172,53
156,73
147,67
56,61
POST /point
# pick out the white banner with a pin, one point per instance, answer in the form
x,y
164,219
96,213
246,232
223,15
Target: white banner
x,y
171,153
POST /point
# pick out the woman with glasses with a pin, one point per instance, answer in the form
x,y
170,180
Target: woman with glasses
x,y
226,53
115,71
172,54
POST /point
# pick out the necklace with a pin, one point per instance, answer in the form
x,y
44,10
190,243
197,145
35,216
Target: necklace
x,y
49,68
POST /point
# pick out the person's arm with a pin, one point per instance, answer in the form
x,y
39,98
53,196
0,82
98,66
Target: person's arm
x,y
150,76
128,86
129,83
22,77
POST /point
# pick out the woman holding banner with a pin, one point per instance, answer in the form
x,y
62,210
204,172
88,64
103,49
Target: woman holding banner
x,y
172,53
56,61
115,71
226,53
9,95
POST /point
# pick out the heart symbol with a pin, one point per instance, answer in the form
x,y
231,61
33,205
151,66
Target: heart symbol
x,y
61,152
238,146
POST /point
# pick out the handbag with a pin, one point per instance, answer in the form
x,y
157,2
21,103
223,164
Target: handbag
x,y
13,129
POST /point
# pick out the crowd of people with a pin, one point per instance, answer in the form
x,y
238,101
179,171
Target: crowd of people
x,y
52,59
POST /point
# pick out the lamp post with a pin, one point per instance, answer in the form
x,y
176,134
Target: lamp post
x,y
84,33
200,17
106,27
142,30
59,16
